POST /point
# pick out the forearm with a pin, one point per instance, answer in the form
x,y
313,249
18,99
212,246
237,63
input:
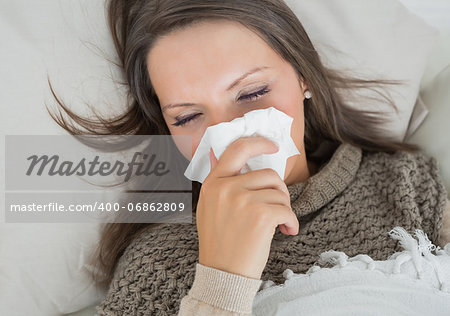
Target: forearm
x,y
216,292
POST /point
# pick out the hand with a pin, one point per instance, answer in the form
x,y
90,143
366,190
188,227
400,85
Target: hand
x,y
237,214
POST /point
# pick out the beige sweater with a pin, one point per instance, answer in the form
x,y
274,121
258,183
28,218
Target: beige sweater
x,y
216,292
349,205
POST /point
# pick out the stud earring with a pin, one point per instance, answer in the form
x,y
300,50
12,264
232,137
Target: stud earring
x,y
308,94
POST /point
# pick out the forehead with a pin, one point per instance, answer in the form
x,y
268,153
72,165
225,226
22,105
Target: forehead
x,y
209,51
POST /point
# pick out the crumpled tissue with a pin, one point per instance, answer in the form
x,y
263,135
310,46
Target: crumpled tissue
x,y
270,123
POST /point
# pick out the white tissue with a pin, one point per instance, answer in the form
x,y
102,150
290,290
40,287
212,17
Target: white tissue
x,y
270,123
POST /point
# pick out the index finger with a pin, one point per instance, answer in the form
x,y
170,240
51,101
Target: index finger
x,y
238,152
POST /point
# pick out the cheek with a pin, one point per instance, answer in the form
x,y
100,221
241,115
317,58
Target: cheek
x,y
290,102
184,145
293,106
194,145
187,145
298,126
288,99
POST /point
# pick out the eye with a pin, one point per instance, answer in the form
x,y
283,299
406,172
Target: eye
x,y
184,121
255,95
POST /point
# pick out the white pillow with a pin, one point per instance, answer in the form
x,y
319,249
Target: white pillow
x,y
436,13
43,267
433,134
373,39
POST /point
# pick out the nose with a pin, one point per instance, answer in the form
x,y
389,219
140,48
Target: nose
x,y
225,115
219,115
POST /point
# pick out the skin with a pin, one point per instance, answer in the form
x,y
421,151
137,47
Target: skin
x,y
197,65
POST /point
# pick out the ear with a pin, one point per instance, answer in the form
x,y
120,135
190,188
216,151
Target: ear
x,y
303,84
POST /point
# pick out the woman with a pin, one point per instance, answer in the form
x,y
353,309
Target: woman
x,y
195,63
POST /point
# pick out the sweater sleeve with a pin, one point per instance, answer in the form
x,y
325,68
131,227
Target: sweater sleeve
x,y
430,194
216,292
444,236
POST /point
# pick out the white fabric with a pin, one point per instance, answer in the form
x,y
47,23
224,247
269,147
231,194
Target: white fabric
x,y
437,14
433,134
412,282
378,38
418,115
44,268
270,123
434,12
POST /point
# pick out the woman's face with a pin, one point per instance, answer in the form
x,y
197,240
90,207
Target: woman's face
x,y
195,74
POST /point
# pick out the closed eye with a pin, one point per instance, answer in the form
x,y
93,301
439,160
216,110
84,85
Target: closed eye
x,y
183,121
249,97
255,95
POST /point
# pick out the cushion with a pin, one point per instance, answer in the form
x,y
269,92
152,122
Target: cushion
x,y
45,269
433,133
372,39
435,13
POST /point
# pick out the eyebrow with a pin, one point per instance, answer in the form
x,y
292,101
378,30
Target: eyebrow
x,y
231,86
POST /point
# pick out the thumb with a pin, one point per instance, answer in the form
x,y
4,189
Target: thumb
x,y
212,158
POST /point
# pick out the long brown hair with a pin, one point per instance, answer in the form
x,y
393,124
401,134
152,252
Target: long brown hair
x,y
135,25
